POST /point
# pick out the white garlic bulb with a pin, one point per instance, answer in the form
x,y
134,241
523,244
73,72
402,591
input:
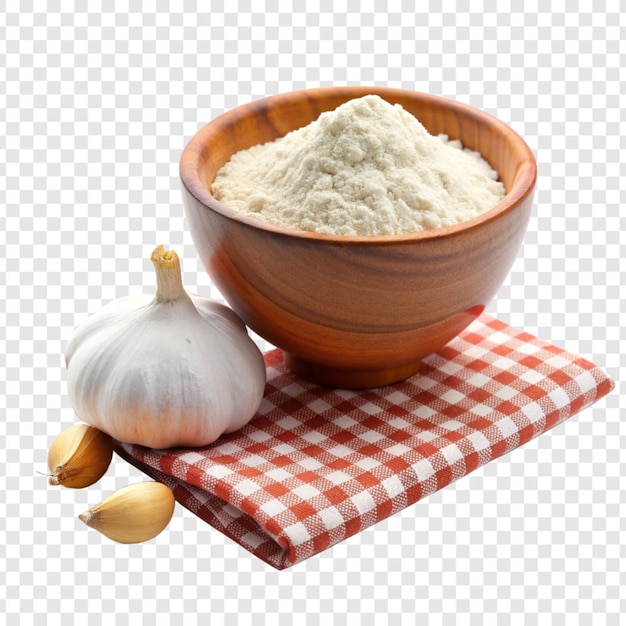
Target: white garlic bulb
x,y
165,370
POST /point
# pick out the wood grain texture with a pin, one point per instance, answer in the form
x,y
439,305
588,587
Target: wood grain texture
x,y
356,311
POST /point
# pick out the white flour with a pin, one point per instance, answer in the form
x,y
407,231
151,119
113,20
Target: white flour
x,y
366,168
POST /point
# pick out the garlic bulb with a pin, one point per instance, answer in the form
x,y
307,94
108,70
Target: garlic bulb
x,y
79,456
165,370
132,514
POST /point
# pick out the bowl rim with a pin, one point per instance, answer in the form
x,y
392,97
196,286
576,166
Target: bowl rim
x,y
190,163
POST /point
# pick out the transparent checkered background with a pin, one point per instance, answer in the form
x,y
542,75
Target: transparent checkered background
x,y
95,109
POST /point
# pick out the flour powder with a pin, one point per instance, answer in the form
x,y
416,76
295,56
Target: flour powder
x,y
366,168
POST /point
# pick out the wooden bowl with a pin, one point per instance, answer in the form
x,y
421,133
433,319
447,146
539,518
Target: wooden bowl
x,y
356,312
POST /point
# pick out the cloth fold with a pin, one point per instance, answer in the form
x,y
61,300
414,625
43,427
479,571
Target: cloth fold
x,y
318,465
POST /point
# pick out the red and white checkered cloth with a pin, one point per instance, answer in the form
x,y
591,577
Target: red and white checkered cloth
x,y
317,465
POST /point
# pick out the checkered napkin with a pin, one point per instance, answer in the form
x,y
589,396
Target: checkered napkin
x,y
317,465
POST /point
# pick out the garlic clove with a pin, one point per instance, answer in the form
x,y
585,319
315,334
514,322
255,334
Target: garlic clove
x,y
79,456
132,514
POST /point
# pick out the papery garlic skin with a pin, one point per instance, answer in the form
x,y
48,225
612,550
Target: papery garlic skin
x,y
165,370
132,514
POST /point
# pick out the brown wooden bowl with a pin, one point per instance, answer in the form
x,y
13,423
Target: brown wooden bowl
x,y
356,311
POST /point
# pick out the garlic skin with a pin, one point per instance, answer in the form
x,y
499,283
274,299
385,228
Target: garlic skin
x,y
165,370
79,456
132,514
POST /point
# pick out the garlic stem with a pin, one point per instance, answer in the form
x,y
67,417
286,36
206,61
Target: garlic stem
x,y
168,275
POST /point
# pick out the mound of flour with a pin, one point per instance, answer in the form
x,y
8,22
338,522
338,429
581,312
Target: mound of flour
x,y
366,168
